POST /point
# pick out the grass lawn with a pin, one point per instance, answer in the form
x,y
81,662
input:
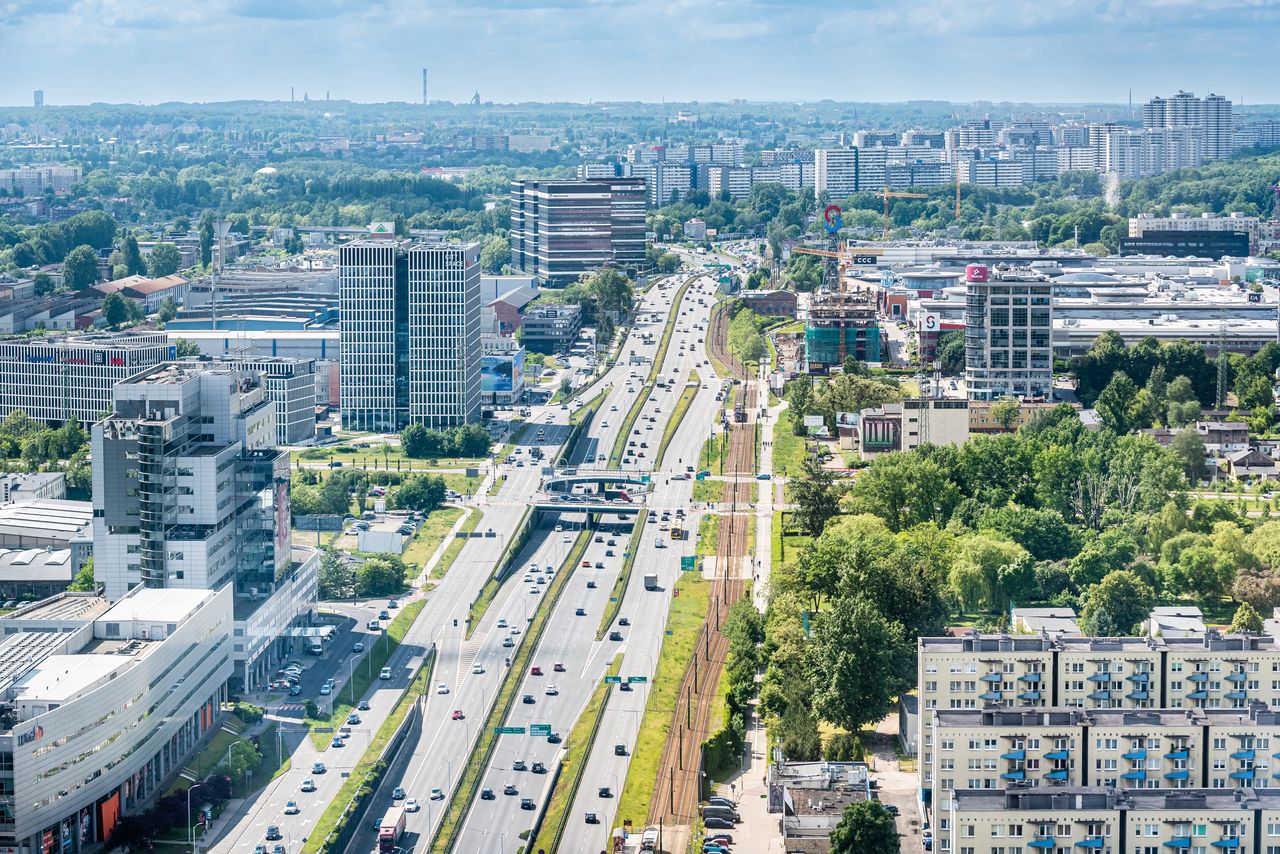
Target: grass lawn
x,y
712,455
677,415
624,578
785,547
486,741
361,774
429,535
573,763
688,612
708,490
455,546
516,438
363,675
708,535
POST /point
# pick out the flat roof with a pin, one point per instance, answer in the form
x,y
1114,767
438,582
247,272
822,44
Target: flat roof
x,y
63,606
46,515
61,678
49,565
155,605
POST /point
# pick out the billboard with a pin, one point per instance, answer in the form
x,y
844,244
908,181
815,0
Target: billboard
x,y
928,322
812,422
502,372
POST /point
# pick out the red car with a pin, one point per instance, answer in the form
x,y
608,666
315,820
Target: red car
x,y
587,564
457,714
535,671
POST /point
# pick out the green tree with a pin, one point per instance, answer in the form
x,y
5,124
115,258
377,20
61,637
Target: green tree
x,y
905,489
415,441
168,310
165,260
1005,411
83,582
1116,605
1188,444
380,576
865,827
815,495
336,579
43,283
495,254
1183,406
1246,619
858,662
206,239
1116,404
132,256
419,492
117,310
80,269
185,348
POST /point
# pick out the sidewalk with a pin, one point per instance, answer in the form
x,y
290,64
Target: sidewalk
x,y
758,833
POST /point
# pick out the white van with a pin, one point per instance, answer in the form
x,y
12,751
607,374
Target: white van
x,y
384,673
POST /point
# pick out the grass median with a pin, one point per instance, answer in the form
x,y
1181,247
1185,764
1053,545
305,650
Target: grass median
x,y
494,583
677,415
451,551
446,834
366,771
684,619
622,581
573,763
364,673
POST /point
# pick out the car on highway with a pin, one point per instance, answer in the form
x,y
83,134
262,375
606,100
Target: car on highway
x,y
353,719
591,585
477,669
510,789
397,794
528,700
528,579
458,715
623,621
292,808
592,818
357,648
582,612
502,623
624,686
535,671
605,792
384,673
508,643
619,750
539,768
363,706
554,738
551,691
486,794
559,667
273,833
615,635
317,768
308,785
599,564
527,804
412,805
442,688
259,849
338,741
325,690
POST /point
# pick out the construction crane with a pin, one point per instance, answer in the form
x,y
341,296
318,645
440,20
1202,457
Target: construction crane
x,y
841,258
888,194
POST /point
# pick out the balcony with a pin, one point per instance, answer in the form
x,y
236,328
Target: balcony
x,y
1227,842
1029,695
991,696
1043,842
1237,677
1244,774
1057,776
1014,754
1139,677
1092,843
1030,677
1100,695
1237,695
1180,774
1134,754
1060,755
1101,676
1134,775
1198,695
1198,677
1242,754
1139,695
1014,775
1180,843
991,677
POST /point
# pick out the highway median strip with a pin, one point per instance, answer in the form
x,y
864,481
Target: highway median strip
x,y
446,835
677,415
573,764
494,583
622,581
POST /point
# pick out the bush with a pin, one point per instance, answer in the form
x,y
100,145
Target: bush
x,y
842,747
249,713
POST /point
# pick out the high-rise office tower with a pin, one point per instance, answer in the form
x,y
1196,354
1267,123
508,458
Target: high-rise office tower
x,y
38,98
1008,319
189,491
561,230
1211,116
409,334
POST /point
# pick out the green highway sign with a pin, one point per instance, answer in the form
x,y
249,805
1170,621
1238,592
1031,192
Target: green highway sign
x,y
637,678
612,680
509,730
539,729
688,562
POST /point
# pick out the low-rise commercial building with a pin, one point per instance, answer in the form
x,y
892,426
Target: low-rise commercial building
x,y
49,524
32,486
101,705
551,328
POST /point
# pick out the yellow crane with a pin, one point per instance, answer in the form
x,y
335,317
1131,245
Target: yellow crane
x,y
888,194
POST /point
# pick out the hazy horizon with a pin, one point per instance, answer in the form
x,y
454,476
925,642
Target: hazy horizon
x,y
118,52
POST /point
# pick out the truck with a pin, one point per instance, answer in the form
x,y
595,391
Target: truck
x,y
391,829
649,841
651,581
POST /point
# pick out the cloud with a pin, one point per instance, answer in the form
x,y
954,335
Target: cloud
x,y
298,10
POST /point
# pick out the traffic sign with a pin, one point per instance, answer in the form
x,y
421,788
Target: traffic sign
x,y
613,598
539,729
612,680
509,730
688,562
637,678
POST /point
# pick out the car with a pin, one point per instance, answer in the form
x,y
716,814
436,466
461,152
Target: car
x,y
539,768
393,604
559,528
519,765
442,688
510,789
566,539
528,579
527,699
591,585
384,614
357,648
278,849
308,785
397,794
581,612
623,621
317,768
363,705
713,848
273,833
720,801
502,623
551,691
927,839
599,539
477,669
384,673
259,849
542,579
295,690
764,476
486,794
891,809
611,543
554,738
338,741
373,625
717,823
592,818
535,671
558,667
412,805
599,564
325,690
604,792
353,719
615,636
458,715
608,553
586,564
527,804
720,838
624,686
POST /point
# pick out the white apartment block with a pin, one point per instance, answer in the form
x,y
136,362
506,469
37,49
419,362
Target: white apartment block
x,y
835,172
597,170
1142,153
1208,118
1077,158
903,174
54,379
736,181
991,173
1235,221
726,153
1008,323
1111,821
34,180
1038,164
876,138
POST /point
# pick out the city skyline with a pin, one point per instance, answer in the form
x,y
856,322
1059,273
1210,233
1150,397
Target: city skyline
x,y
374,52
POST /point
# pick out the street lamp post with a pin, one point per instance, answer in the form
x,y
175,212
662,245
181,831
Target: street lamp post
x,y
191,830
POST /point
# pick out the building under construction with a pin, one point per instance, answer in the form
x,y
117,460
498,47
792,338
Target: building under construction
x,y
841,325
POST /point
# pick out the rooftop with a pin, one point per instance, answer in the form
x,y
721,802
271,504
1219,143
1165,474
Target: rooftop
x,y
45,516
155,605
63,607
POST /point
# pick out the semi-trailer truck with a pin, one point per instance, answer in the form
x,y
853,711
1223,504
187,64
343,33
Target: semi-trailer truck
x,y
391,829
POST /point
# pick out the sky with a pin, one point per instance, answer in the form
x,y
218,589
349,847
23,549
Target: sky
x,y
1047,51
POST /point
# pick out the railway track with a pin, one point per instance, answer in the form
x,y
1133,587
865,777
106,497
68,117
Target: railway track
x,y
677,788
